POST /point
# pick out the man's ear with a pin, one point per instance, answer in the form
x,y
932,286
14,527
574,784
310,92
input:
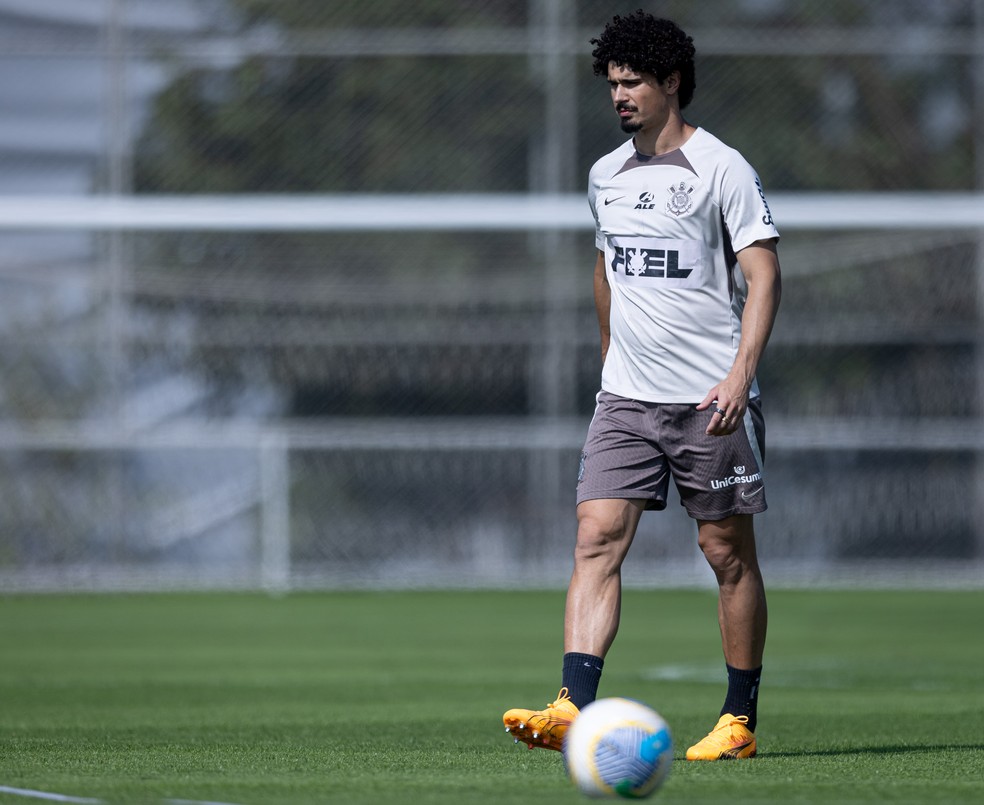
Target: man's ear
x,y
672,83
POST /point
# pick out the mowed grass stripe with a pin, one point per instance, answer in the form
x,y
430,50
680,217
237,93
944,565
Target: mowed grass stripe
x,y
397,697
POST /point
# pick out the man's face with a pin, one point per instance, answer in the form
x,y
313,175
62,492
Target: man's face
x,y
640,100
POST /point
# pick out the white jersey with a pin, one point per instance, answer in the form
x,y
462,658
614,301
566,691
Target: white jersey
x,y
669,226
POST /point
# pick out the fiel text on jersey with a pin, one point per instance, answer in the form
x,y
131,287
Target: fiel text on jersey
x,y
641,262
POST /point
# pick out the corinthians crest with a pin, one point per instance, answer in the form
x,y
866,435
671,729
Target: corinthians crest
x,y
680,200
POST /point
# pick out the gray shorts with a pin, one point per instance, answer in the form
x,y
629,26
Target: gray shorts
x,y
633,448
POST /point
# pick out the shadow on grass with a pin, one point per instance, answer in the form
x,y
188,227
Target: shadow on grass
x,y
875,750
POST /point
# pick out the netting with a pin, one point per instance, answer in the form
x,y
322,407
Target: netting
x,y
333,387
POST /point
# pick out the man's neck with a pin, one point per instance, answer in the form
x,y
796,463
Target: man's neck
x,y
661,141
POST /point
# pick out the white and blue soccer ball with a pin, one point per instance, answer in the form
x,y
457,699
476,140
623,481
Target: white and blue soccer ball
x,y
618,748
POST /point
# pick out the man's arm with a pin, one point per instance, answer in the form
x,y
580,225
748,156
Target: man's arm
x,y
759,264
603,303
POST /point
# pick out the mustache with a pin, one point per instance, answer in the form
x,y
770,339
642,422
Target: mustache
x,y
624,107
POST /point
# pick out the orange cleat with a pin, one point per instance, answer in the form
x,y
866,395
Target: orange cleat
x,y
542,728
729,740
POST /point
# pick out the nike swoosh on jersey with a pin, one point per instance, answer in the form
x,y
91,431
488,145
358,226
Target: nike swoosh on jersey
x,y
610,200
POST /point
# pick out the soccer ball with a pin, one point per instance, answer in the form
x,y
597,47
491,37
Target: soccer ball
x,y
618,748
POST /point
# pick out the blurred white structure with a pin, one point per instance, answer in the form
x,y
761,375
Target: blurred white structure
x,y
120,471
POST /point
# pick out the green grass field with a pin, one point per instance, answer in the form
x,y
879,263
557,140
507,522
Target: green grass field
x,y
397,697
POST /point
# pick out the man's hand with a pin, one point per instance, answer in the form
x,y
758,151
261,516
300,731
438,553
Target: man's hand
x,y
727,402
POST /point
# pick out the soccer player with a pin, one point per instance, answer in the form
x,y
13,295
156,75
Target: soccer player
x,y
686,286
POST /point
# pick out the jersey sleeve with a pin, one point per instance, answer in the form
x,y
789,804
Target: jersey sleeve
x,y
593,187
742,198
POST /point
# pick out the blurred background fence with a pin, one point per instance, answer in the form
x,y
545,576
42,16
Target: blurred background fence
x,y
298,294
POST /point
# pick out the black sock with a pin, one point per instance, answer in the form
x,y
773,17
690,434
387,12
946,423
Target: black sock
x,y
743,689
582,673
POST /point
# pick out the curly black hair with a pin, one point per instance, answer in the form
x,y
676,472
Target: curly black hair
x,y
647,44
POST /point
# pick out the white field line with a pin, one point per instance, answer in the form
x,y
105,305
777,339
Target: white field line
x,y
27,792
53,797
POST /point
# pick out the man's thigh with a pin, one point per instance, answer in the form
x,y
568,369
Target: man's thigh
x,y
621,458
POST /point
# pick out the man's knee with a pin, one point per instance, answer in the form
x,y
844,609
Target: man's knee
x,y
604,529
596,538
728,546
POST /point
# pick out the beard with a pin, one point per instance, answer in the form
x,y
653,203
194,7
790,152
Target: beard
x,y
627,124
